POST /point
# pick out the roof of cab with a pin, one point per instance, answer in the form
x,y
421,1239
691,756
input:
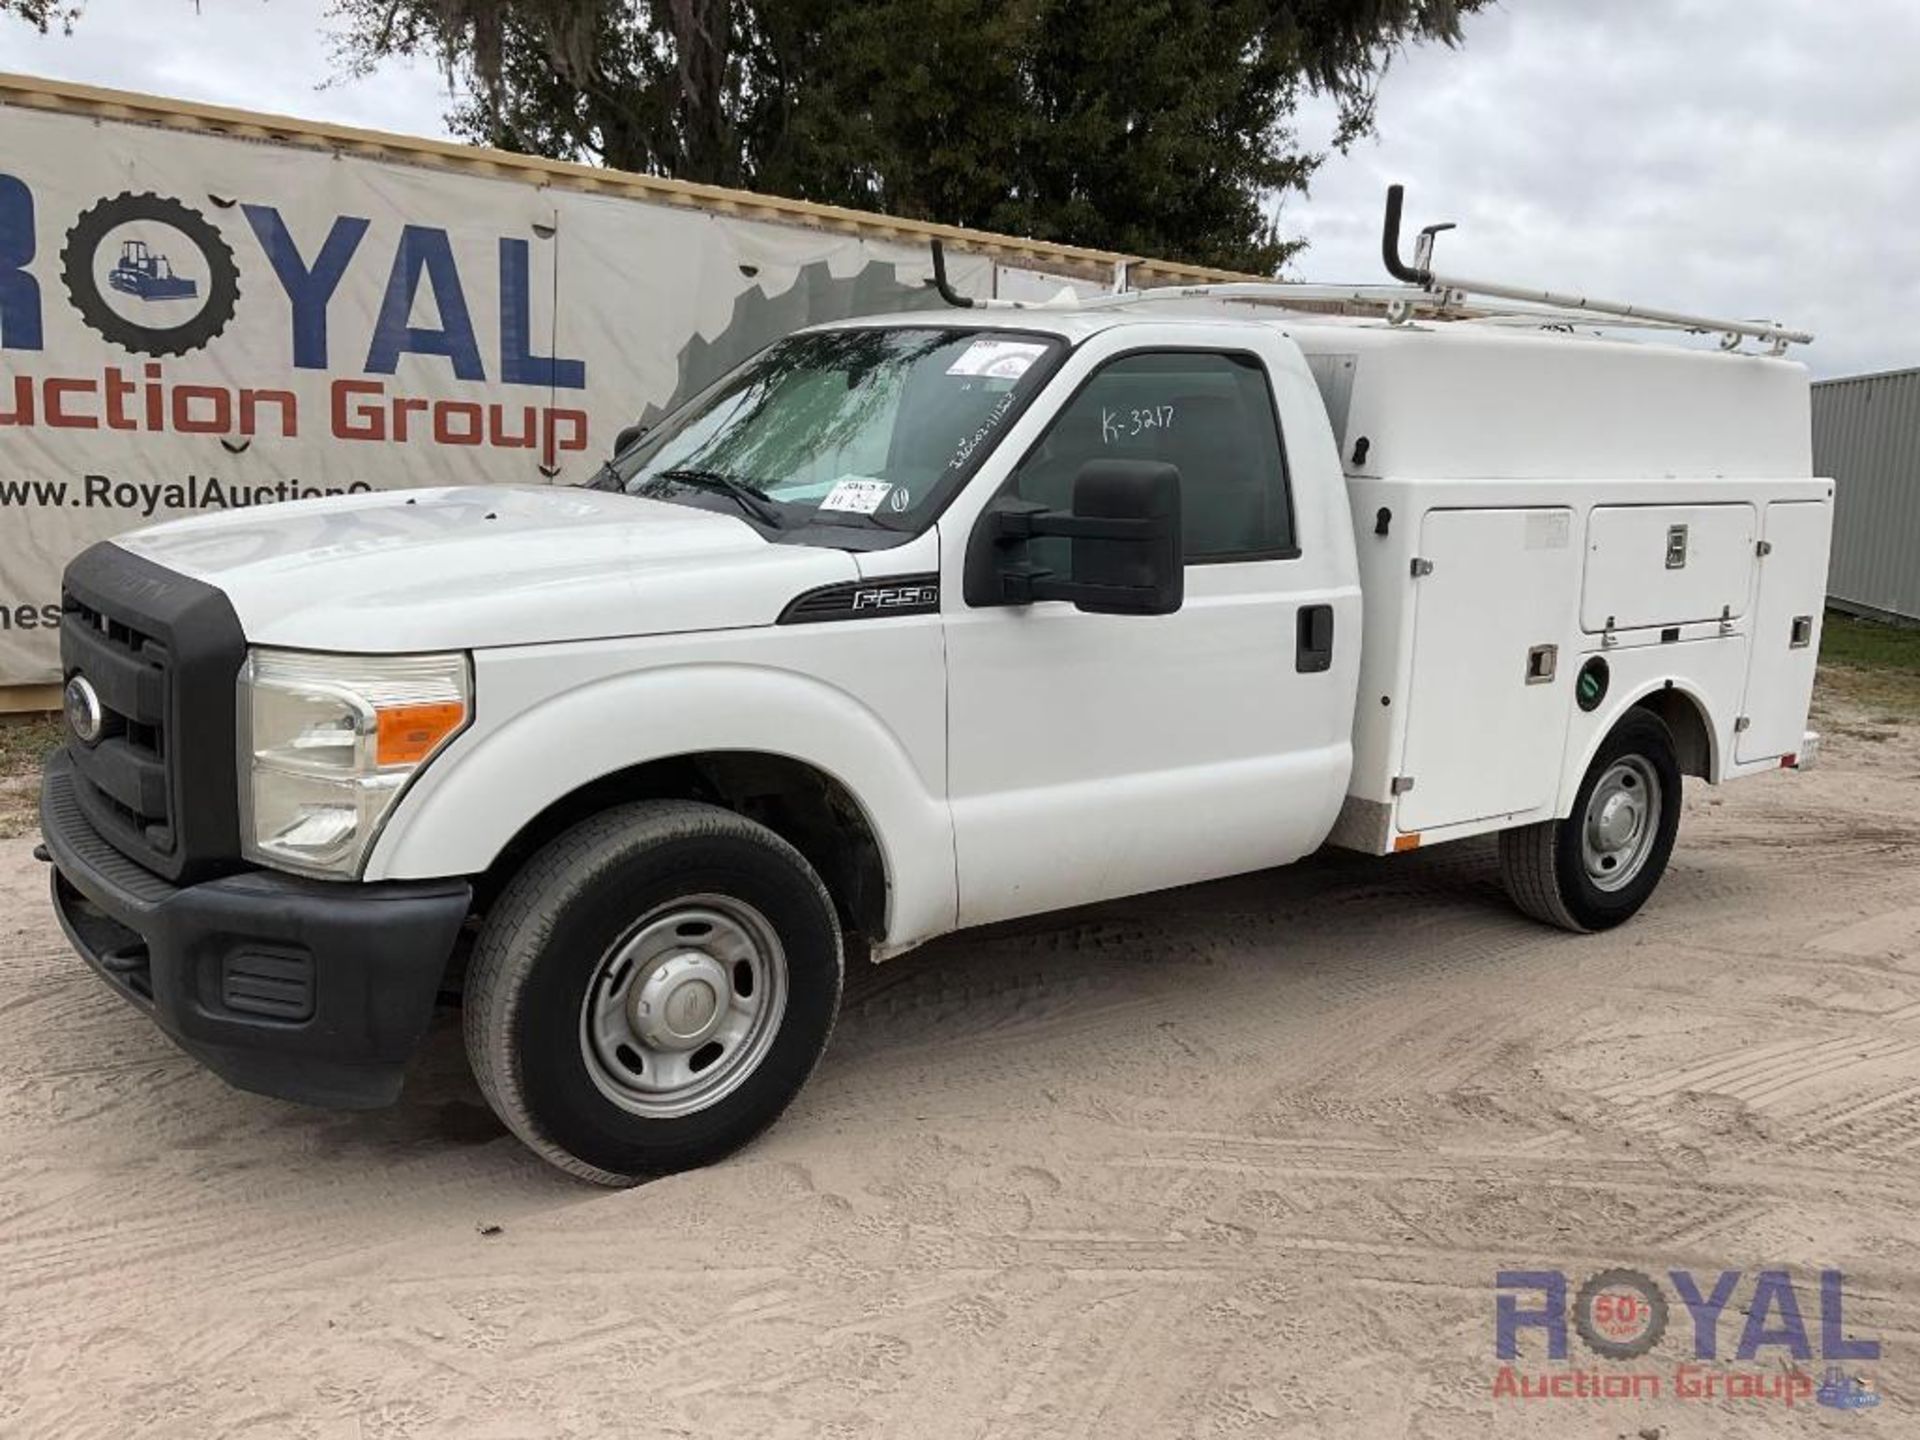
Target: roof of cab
x,y
1070,325
1467,399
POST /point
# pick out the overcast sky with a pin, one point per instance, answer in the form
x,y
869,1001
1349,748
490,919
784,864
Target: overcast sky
x,y
1741,157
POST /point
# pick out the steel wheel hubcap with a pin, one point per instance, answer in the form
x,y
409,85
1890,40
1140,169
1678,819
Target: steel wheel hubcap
x,y
684,1007
682,1003
1621,823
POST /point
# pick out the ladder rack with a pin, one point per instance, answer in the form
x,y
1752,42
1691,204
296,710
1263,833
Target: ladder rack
x,y
1424,293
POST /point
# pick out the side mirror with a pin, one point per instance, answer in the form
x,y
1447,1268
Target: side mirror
x,y
628,438
1124,530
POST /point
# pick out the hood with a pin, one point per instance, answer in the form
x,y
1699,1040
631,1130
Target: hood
x,y
478,566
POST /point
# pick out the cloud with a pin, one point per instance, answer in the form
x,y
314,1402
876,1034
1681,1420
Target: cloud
x,y
1735,157
1740,157
271,55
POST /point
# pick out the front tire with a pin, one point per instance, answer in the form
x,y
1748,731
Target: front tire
x,y
652,990
1594,869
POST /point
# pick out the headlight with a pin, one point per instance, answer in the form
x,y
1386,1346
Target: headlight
x,y
327,744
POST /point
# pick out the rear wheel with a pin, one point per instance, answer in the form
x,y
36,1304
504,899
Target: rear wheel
x,y
1598,866
652,989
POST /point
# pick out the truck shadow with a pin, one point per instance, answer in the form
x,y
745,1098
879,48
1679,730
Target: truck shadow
x,y
1355,920
1333,911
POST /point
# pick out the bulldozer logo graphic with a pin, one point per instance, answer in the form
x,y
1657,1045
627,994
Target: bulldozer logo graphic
x,y
173,267
145,273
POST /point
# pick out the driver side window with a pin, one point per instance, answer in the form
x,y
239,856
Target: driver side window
x,y
1210,415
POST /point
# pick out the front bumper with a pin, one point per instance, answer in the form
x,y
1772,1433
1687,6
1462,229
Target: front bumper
x,y
308,990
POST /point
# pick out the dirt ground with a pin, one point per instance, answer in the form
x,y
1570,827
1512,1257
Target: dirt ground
x,y
1239,1159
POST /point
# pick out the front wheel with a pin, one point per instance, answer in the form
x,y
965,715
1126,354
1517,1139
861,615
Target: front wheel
x,y
1598,866
652,989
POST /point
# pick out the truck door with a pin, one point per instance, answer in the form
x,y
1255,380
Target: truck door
x,y
1786,628
1489,698
1099,755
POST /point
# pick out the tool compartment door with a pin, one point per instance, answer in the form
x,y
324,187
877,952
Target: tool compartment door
x,y
1486,730
1666,565
1786,629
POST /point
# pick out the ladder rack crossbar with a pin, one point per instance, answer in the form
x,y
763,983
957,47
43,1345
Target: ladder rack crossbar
x,y
1448,297
1423,291
1770,330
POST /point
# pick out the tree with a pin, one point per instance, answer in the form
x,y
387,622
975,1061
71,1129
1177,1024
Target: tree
x,y
1154,127
41,14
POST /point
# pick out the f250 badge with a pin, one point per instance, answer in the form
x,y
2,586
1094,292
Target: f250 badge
x,y
864,600
898,597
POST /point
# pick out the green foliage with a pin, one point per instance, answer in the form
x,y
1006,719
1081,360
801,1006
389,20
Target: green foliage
x,y
1154,127
1157,127
42,14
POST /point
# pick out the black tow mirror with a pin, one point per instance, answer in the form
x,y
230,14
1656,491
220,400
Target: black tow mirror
x,y
1124,534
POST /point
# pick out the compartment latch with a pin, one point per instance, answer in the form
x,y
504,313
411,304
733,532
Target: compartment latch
x,y
1676,547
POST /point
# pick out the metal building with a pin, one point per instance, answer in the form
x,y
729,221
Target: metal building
x,y
1866,435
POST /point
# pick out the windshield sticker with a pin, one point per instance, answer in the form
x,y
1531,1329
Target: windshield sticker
x,y
998,359
900,500
861,497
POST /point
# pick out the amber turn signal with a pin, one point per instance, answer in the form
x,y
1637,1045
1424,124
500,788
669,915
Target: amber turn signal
x,y
410,733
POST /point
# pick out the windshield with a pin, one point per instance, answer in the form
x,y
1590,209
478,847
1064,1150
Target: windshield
x,y
870,428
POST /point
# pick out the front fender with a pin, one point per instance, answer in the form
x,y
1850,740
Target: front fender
x,y
471,800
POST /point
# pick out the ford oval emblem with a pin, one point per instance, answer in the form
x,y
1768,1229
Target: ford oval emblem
x,y
84,715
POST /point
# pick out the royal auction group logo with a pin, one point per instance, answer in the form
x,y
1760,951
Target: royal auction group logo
x,y
157,278
1621,1315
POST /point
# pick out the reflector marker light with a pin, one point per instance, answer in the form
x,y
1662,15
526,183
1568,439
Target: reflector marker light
x,y
410,733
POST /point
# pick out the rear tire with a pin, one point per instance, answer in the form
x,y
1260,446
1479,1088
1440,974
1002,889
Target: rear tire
x,y
652,989
1594,869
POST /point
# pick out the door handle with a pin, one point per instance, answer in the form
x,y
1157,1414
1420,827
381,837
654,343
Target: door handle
x,y
1313,639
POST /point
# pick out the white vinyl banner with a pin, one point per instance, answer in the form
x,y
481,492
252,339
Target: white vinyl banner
x,y
190,323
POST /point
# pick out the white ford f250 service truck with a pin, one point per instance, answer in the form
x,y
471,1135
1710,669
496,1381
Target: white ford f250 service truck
x,y
915,624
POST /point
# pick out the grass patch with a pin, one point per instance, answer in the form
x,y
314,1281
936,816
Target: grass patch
x,y
24,743
1873,665
1848,640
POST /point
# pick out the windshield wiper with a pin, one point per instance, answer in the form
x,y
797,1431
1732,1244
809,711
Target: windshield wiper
x,y
743,495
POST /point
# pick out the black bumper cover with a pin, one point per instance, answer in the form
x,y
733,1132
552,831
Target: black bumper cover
x,y
308,990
